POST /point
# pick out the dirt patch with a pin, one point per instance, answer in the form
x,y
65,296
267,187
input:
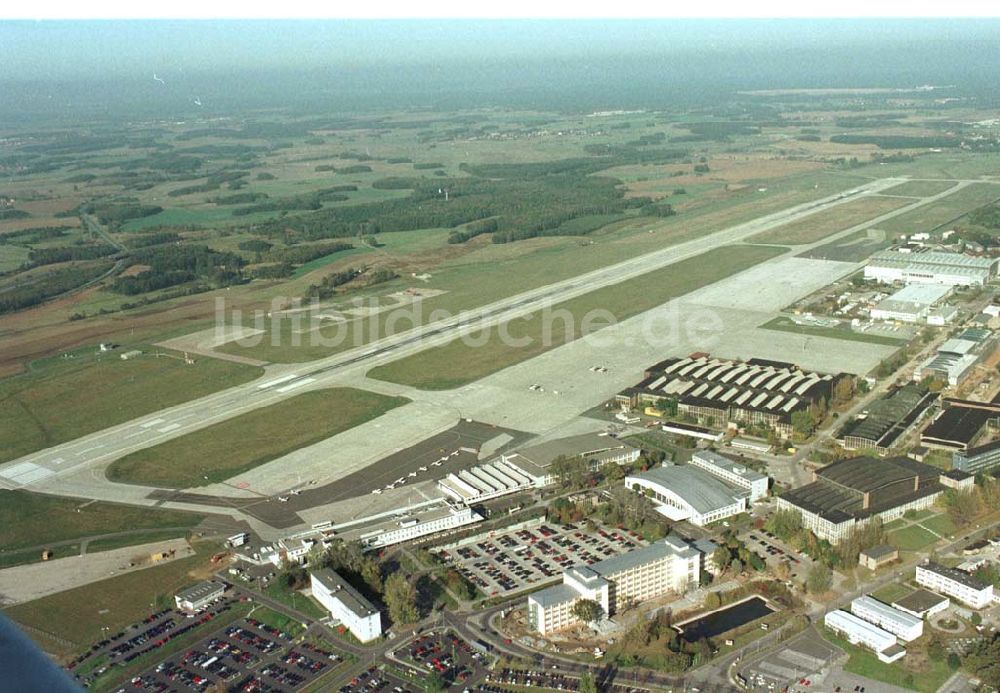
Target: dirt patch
x,y
658,180
134,270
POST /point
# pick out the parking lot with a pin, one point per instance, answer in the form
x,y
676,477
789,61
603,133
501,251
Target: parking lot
x,y
245,656
379,678
803,662
766,544
455,660
501,682
525,558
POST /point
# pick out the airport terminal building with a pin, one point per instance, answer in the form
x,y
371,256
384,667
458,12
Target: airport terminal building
x,y
668,565
851,492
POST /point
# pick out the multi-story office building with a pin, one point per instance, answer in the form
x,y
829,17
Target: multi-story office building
x,y
860,632
732,472
668,565
346,604
955,583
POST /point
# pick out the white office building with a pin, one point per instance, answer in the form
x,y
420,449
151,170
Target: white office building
x,y
955,584
416,525
733,472
346,605
904,626
860,632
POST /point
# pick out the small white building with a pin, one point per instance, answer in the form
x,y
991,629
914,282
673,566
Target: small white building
x,y
199,596
904,626
733,472
346,605
912,303
956,584
860,632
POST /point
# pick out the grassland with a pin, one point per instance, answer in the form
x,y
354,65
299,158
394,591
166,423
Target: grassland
x,y
842,331
229,448
476,275
457,363
942,524
35,520
920,188
944,211
912,538
294,600
78,615
906,673
63,398
891,592
818,226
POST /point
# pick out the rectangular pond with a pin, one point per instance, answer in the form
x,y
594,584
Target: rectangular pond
x,y
718,622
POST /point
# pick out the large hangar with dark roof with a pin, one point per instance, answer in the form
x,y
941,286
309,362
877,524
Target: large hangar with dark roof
x,y
852,491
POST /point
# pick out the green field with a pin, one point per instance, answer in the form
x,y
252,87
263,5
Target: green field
x,y
912,538
944,211
818,226
920,188
942,524
79,614
237,445
308,606
62,398
891,592
35,520
864,663
489,272
12,257
842,331
285,624
457,363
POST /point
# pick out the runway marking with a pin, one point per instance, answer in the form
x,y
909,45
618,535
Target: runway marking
x,y
84,452
168,429
152,423
298,383
58,460
277,381
137,433
26,473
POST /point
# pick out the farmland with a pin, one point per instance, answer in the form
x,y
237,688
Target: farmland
x,y
818,226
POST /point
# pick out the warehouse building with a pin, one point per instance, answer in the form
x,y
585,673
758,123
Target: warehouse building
x,y
912,303
485,482
958,480
930,267
199,596
848,493
860,632
717,392
709,489
668,565
957,428
535,462
922,603
955,583
904,626
346,605
887,419
415,525
954,360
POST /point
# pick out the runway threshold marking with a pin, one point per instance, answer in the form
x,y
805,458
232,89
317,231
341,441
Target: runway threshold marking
x,y
277,381
168,429
297,383
149,424
84,452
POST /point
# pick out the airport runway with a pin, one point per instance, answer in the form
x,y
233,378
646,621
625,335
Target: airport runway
x,y
77,467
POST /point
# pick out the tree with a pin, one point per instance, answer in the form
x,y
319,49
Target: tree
x,y
721,558
401,598
820,579
571,471
434,683
784,523
803,422
954,661
587,610
936,649
587,683
736,566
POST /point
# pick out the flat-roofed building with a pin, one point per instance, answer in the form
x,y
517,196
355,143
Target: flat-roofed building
x,y
420,524
199,596
878,556
346,604
668,565
982,458
930,267
922,603
912,303
850,492
904,626
597,449
733,472
887,419
956,584
860,632
958,480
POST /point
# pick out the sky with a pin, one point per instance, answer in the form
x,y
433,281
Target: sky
x,y
71,49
